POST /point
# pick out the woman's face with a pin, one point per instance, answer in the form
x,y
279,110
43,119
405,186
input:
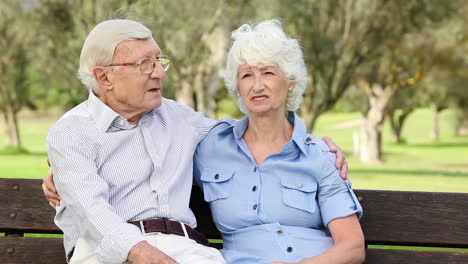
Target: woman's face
x,y
263,88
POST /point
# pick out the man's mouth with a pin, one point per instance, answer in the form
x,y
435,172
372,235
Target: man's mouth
x,y
154,90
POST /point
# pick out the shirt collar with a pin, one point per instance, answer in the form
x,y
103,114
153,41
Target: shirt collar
x,y
299,131
240,127
105,117
102,114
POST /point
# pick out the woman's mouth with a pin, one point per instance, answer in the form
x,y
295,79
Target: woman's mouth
x,y
259,98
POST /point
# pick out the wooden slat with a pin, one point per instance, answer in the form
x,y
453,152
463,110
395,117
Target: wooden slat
x,y
393,256
23,207
15,250
415,218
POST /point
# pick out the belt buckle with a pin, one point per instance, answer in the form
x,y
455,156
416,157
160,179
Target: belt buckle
x,y
142,227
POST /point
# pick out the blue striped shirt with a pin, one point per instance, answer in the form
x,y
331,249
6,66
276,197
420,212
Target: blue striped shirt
x,y
108,171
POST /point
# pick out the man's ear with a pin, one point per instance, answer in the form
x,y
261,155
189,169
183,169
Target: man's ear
x,y
101,77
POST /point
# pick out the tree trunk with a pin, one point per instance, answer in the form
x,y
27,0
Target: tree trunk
x,y
185,94
435,134
371,136
310,112
12,136
462,127
396,123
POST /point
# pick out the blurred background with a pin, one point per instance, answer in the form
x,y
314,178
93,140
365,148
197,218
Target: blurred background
x,y
388,78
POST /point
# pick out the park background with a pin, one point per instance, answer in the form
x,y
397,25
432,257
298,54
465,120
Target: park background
x,y
387,78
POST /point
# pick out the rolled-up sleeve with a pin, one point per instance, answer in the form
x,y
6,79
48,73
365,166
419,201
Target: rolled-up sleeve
x,y
335,196
85,192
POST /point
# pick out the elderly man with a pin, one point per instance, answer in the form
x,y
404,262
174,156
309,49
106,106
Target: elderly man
x,y
123,159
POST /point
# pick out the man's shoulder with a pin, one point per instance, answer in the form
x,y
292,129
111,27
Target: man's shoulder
x,y
222,128
172,104
75,119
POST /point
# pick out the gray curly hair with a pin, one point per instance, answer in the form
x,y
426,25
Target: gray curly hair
x,y
266,43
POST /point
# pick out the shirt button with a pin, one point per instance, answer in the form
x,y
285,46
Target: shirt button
x,y
121,122
308,140
216,176
254,188
289,249
254,207
299,184
279,232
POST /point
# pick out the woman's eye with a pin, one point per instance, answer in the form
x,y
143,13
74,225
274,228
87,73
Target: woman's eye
x,y
269,73
247,75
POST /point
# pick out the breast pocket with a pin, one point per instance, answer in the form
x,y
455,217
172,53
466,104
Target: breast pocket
x,y
217,184
299,192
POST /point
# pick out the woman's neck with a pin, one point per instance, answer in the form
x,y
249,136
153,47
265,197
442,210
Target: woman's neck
x,y
272,128
267,134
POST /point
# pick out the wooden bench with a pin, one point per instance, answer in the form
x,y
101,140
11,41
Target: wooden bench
x,y
426,219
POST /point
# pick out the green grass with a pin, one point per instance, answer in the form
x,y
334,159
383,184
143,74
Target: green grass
x,y
420,164
420,248
31,162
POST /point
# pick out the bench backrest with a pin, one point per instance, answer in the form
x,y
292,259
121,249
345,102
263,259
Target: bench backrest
x,y
424,219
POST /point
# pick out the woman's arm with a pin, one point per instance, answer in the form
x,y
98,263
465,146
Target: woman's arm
x,y
348,245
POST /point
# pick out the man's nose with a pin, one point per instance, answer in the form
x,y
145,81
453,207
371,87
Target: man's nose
x,y
158,71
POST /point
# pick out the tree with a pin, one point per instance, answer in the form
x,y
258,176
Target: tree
x,y
396,67
14,38
338,37
63,26
404,103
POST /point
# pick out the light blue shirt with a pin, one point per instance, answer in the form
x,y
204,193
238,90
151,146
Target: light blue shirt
x,y
108,172
279,210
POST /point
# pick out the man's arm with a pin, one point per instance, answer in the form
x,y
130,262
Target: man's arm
x,y
144,253
141,253
85,193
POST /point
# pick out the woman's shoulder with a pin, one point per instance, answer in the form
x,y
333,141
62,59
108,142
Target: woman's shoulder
x,y
315,143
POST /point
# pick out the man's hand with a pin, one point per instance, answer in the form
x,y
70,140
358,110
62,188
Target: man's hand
x,y
49,190
144,253
341,162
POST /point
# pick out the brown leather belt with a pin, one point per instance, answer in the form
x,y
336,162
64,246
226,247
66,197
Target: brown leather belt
x,y
166,226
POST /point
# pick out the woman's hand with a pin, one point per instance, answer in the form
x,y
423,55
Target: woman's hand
x,y
49,190
341,162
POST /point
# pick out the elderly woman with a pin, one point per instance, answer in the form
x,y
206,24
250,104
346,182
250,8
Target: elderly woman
x,y
268,203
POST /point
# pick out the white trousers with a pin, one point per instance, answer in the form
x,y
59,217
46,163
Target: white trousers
x,y
181,249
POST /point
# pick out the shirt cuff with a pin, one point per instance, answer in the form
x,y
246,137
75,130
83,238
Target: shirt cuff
x,y
115,247
341,205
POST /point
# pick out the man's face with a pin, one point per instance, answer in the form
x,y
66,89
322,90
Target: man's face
x,y
132,92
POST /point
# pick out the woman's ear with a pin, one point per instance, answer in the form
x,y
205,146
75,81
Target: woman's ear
x,y
291,86
101,77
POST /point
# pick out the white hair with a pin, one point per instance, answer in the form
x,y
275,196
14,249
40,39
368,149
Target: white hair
x,y
266,43
99,46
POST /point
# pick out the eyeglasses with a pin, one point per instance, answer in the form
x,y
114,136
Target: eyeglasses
x,y
147,65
